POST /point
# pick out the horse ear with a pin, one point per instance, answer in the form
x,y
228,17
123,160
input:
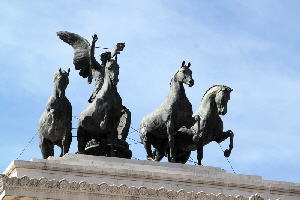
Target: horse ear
x,y
69,71
59,70
189,64
183,63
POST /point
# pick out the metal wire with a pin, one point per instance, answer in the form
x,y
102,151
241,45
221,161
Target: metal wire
x,y
191,160
227,160
136,142
26,145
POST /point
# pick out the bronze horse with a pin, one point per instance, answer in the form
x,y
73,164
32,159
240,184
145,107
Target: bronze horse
x,y
213,104
101,118
158,127
55,124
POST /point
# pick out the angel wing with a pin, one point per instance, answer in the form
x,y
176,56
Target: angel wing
x,y
82,57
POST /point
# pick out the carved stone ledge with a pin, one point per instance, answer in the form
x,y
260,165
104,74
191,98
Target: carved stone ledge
x,y
104,190
117,171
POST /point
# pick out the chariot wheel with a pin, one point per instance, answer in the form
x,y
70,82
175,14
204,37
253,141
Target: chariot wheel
x,y
121,149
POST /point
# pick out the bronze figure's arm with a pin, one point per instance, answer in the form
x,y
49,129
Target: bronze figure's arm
x,y
94,63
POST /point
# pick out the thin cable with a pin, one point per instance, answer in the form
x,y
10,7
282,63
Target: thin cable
x,y
227,160
191,160
135,158
134,129
136,142
26,145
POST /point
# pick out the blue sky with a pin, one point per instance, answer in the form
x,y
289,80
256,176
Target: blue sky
x,y
250,46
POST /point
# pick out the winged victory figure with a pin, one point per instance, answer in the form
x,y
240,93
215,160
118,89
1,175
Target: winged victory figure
x,y
85,61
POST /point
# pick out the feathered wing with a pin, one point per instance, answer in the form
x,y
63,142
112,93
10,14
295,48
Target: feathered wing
x,y
81,46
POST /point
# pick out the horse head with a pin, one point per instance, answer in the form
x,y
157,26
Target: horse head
x,y
222,98
184,74
112,71
61,81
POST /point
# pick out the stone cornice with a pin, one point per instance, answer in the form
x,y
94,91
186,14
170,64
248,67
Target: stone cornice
x,y
103,190
231,180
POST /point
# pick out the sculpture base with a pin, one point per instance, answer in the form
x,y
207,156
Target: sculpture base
x,y
77,176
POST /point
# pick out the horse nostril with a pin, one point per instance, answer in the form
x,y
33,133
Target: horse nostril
x,y
222,113
191,83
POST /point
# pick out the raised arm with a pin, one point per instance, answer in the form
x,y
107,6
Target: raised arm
x,y
94,63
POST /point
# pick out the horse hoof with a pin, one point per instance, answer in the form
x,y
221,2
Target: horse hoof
x,y
149,158
227,153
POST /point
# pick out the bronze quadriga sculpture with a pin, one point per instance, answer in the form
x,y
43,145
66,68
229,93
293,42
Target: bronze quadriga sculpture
x,y
55,124
213,104
172,129
157,129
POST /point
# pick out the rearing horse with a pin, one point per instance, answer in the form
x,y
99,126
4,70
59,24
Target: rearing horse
x,y
158,127
101,118
55,124
213,104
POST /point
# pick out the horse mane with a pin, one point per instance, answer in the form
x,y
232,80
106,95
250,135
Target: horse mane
x,y
56,74
226,87
174,76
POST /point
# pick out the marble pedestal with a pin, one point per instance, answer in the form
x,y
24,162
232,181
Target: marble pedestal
x,y
84,177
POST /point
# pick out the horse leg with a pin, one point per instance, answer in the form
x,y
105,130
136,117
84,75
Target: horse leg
x,y
112,143
147,141
199,123
227,152
113,136
47,147
82,139
170,131
160,150
147,146
66,141
169,154
223,136
200,150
